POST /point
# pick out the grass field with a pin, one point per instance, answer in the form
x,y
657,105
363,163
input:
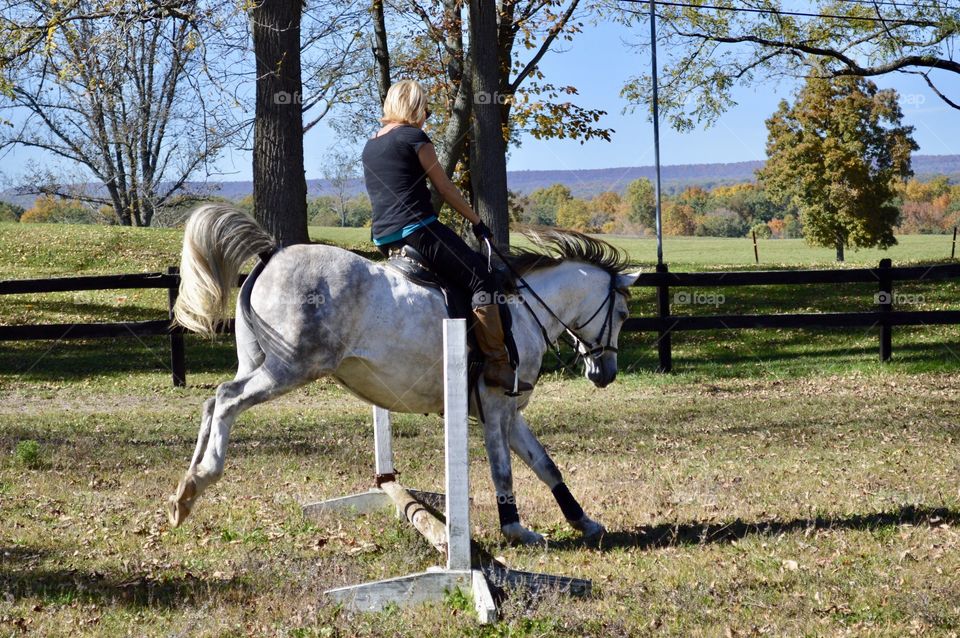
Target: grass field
x,y
780,483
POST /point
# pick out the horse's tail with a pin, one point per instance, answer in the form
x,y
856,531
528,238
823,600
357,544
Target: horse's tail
x,y
218,239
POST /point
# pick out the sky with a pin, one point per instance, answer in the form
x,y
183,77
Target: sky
x,y
598,62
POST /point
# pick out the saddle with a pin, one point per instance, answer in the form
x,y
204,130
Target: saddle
x,y
407,261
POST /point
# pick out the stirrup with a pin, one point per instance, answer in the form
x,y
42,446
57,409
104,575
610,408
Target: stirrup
x,y
514,392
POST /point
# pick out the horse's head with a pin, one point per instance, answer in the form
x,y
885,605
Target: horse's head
x,y
585,280
598,331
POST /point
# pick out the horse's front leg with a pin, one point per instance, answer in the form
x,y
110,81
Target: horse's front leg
x,y
497,420
526,445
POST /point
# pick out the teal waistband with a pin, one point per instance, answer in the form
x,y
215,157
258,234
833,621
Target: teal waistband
x,y
403,232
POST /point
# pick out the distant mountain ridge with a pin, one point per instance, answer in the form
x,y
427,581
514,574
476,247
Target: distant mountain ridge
x,y
581,182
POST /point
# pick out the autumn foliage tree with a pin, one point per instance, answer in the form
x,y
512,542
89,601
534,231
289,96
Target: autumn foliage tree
x,y
836,154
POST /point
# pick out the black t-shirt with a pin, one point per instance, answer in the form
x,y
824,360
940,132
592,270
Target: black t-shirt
x,y
395,180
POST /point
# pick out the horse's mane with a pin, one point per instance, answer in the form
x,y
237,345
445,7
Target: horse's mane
x,y
556,246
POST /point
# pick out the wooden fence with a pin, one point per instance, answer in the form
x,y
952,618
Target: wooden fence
x,y
664,323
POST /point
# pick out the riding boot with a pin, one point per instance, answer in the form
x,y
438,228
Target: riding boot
x,y
497,370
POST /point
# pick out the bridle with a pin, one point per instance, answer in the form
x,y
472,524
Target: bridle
x,y
596,350
583,347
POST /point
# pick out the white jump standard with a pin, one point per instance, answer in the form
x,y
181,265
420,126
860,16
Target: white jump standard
x,y
451,538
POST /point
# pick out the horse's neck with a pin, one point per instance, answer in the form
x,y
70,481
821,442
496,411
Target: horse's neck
x,y
567,289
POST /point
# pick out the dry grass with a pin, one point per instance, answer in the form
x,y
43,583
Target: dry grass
x,y
821,506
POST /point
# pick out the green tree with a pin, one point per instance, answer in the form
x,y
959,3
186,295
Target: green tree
x,y
359,210
696,198
10,212
641,204
708,52
323,211
546,202
836,154
575,214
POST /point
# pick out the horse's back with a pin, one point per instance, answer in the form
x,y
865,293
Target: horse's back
x,y
325,310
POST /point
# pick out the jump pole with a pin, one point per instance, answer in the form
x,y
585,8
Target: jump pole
x,y
452,537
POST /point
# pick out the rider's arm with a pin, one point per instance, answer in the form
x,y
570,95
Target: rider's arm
x,y
446,188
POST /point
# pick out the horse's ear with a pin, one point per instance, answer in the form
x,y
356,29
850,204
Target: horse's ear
x,y
627,280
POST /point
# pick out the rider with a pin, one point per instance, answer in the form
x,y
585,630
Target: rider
x,y
395,162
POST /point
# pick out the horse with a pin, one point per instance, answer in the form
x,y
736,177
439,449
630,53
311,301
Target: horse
x,y
312,310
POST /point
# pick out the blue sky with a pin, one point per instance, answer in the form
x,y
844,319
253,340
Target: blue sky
x,y
598,62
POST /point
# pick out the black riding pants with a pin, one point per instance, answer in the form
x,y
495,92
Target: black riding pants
x,y
454,262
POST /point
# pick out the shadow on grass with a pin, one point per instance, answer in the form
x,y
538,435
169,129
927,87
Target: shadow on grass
x,y
70,360
20,578
684,534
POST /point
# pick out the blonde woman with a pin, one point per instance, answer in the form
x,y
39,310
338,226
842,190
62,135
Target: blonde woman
x,y
397,161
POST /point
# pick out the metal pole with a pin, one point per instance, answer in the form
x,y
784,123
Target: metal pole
x,y
656,124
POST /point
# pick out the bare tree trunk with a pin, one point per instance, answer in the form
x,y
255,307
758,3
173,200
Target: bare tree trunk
x,y
488,159
279,185
839,250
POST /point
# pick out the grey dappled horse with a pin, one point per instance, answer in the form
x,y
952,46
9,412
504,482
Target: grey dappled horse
x,y
315,310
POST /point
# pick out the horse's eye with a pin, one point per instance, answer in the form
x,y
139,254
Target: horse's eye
x,y
623,314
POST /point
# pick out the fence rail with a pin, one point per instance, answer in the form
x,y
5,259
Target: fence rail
x,y
664,323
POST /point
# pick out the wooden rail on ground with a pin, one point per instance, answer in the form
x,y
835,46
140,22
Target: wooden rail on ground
x,y
664,323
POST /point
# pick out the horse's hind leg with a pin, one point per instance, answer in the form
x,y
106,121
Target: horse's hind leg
x,y
250,357
232,398
204,435
526,445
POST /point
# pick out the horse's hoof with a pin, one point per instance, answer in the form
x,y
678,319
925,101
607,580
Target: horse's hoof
x,y
180,504
589,528
177,511
517,533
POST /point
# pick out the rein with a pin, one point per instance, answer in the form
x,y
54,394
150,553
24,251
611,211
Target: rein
x,y
584,348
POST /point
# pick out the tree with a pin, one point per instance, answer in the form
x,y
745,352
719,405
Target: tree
x,y
488,150
605,208
696,198
639,197
711,50
279,185
836,154
546,203
574,214
720,223
341,174
120,90
54,210
520,207
678,219
748,200
10,212
435,50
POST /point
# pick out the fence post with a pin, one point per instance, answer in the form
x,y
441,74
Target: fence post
x,y
664,348
178,363
885,301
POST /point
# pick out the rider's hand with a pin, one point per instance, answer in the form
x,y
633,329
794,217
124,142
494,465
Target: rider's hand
x,y
481,231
